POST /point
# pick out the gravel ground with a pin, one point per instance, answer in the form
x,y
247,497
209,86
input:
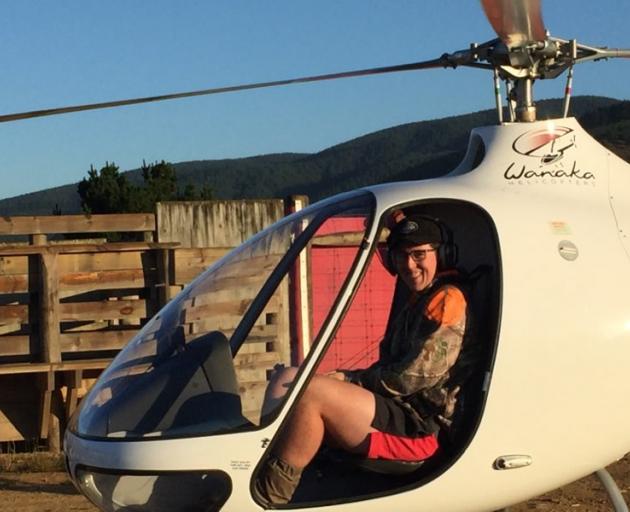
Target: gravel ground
x,y
53,492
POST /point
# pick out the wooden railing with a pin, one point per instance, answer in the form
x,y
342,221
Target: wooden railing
x,y
39,227
67,307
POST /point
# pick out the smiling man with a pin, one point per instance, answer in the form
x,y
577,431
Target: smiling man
x,y
395,408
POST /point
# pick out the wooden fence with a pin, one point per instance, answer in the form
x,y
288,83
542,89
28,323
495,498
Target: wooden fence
x,y
67,308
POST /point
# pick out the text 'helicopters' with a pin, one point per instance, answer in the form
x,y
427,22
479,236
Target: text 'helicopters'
x,y
537,216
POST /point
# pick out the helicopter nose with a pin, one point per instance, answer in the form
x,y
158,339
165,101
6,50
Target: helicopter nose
x,y
175,492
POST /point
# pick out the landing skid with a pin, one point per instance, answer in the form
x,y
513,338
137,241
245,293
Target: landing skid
x,y
612,490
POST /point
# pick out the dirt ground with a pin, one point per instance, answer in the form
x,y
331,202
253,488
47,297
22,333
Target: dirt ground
x,y
53,492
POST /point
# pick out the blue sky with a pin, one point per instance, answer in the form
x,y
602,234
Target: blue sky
x,y
54,53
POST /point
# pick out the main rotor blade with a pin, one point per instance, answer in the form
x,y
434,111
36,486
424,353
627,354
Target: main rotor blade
x,y
516,22
435,63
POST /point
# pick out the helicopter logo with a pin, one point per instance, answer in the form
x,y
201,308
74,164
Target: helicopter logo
x,y
548,144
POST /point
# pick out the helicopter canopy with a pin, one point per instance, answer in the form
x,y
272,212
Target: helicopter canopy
x,y
178,377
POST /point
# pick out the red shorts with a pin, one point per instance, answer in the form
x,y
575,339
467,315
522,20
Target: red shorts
x,y
389,446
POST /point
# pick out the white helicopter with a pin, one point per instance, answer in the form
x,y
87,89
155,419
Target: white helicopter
x,y
540,214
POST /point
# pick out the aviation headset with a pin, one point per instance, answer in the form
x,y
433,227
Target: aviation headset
x,y
447,250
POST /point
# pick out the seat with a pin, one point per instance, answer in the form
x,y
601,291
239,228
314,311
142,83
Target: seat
x,y
381,466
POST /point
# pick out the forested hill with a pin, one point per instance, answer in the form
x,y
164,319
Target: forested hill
x,y
412,151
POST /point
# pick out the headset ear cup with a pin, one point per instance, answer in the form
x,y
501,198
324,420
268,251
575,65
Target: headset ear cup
x,y
447,255
389,263
443,259
387,260
454,256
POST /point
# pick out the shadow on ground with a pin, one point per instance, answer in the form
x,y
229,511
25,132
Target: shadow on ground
x,y
15,485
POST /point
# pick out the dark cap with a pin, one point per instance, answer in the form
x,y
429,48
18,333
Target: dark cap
x,y
415,230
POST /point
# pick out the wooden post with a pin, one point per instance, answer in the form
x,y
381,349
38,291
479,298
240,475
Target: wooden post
x,y
299,293
51,349
164,277
49,427
73,381
49,304
38,239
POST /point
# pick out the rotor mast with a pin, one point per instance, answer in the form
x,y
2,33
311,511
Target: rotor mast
x,y
525,52
525,108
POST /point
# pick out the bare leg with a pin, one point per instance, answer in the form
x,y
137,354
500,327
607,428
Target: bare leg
x,y
339,410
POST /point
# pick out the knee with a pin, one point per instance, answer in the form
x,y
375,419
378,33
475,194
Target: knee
x,y
318,390
281,379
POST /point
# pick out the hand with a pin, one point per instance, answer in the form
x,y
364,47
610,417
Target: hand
x,y
336,375
451,400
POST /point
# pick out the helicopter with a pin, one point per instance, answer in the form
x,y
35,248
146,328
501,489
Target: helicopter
x,y
540,213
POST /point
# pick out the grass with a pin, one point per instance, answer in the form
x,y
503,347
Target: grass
x,y
35,461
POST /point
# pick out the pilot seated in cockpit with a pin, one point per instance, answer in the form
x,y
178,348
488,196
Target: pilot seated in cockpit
x,y
395,408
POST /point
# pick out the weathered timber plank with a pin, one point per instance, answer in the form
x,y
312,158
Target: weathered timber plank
x,y
260,333
215,223
74,382
174,289
14,345
81,364
85,364
79,282
252,348
74,248
254,374
101,310
21,368
47,385
346,239
203,311
216,296
199,256
13,284
255,268
38,239
27,225
9,327
99,340
13,313
86,327
191,262
9,432
10,265
163,258
248,386
92,262
282,321
243,361
49,314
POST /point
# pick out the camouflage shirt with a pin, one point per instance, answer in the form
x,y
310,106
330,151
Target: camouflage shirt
x,y
417,356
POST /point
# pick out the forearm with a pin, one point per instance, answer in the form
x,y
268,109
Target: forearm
x,y
422,370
